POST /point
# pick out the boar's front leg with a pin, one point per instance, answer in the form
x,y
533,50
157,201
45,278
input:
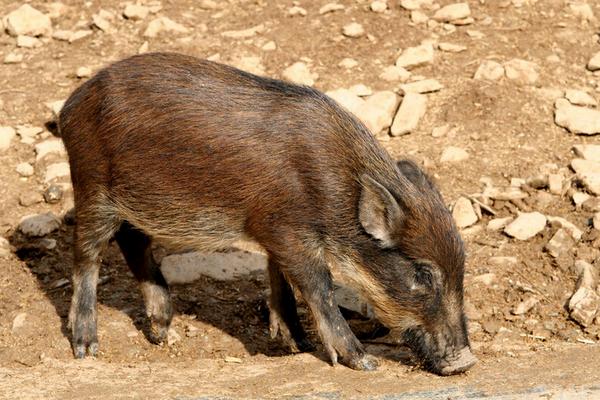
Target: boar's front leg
x,y
135,246
283,315
312,277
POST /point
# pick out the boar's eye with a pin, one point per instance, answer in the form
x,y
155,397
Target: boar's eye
x,y
423,274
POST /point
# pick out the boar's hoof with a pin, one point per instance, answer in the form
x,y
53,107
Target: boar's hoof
x,y
460,363
157,334
80,350
364,362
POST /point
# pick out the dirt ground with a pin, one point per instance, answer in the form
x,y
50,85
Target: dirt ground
x,y
507,129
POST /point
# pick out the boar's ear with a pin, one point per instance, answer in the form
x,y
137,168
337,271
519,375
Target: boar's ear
x,y
413,173
378,211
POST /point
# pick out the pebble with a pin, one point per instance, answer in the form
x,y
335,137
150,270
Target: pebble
x,y
415,56
4,247
300,74
573,230
80,34
526,225
269,46
585,302
53,194
56,171
39,225
55,107
7,134
353,30
423,86
172,337
502,261
378,6
463,213
555,183
188,267
582,10
348,63
393,73
330,7
83,72
453,154
28,42
102,20
579,198
252,64
296,10
594,63
561,243
49,147
498,224
29,198
208,5
136,12
521,71
27,20
576,119
411,110
487,279
13,58
418,17
451,48
161,25
24,169
525,306
588,173
589,152
376,112
489,70
473,34
415,4
452,12
18,322
362,90
440,131
580,98
244,33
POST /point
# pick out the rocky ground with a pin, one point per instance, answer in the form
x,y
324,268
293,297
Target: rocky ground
x,y
498,101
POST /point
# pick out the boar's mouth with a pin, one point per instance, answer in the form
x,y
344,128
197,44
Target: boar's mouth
x,y
436,358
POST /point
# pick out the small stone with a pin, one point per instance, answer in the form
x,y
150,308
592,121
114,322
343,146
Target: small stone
x,y
561,243
487,279
24,169
416,56
13,58
244,33
596,221
7,133
503,261
473,34
585,302
498,224
555,183
252,64
5,249
594,63
296,10
135,12
471,311
489,70
580,98
55,107
269,46
83,72
452,12
300,74
362,90
29,198
526,226
521,71
579,120
18,322
61,34
588,173
172,337
378,6
26,20
28,42
582,11
80,34
418,17
440,131
453,154
330,7
49,147
452,48
411,110
102,20
525,306
234,360
589,152
208,5
491,327
56,171
161,25
415,4
579,198
53,194
39,225
393,73
353,30
132,334
591,205
571,228
379,111
423,86
463,213
348,63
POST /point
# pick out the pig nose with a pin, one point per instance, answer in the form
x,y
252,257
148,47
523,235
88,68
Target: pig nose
x,y
460,362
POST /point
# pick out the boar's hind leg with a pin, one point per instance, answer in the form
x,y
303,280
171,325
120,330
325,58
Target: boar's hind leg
x,y
314,281
283,316
137,251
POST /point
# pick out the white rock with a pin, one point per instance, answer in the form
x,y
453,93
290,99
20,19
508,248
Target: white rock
x,y
252,64
582,10
453,154
596,221
579,198
589,152
4,248
525,306
83,72
585,302
7,133
300,74
172,337
353,30
415,56
570,227
393,73
379,111
580,120
411,110
188,267
62,34
348,63
330,7
560,243
418,17
555,183
39,225
474,34
13,58
423,86
136,12
502,261
580,98
526,225
347,99
28,42
415,4
361,90
55,107
521,71
498,224
163,24
50,146
102,20
452,12
80,34
463,213
56,171
452,48
296,10
588,173
24,169
208,5
487,279
594,63
26,20
244,33
18,322
269,46
378,6
489,70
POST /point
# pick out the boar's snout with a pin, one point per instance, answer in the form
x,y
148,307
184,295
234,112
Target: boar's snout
x,y
459,362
